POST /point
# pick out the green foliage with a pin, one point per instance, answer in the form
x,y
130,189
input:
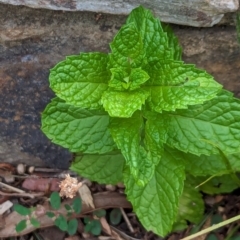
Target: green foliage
x,y
92,226
100,213
191,206
218,184
21,210
61,222
87,80
21,226
166,183
29,214
93,166
141,116
68,207
35,222
77,205
212,236
50,214
72,226
61,123
55,200
115,216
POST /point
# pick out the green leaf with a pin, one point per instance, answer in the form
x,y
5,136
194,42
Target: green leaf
x,y
137,77
173,42
96,227
77,205
77,129
115,216
191,205
126,132
72,226
217,185
200,128
81,80
156,203
100,213
127,48
118,79
121,80
179,226
21,210
68,207
61,223
123,104
35,222
155,135
50,214
93,226
55,200
104,169
21,226
155,41
212,236
86,220
88,226
207,165
175,85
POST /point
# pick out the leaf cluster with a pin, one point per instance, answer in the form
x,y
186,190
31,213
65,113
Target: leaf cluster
x,y
141,116
59,220
30,217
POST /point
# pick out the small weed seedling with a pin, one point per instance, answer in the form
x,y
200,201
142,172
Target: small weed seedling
x,y
59,220
141,116
30,217
93,225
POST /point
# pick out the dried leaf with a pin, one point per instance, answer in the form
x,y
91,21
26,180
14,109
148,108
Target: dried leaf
x,y
86,195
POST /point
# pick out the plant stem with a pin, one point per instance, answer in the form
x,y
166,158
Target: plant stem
x,y
215,226
127,220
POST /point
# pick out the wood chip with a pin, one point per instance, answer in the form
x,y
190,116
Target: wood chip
x,y
5,206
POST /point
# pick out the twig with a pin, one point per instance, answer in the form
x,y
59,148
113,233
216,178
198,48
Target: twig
x,y
30,195
47,170
12,188
215,226
127,221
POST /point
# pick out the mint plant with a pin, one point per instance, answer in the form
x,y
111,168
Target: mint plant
x,y
141,116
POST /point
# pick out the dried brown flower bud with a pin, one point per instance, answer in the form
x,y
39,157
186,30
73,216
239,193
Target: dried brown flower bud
x,y
69,187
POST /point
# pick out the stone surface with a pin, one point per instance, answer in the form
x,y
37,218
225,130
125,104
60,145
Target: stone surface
x,y
200,13
33,40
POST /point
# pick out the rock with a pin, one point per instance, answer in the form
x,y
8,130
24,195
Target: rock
x,y
214,49
26,55
110,187
199,13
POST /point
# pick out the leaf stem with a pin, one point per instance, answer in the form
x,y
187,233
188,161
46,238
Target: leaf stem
x,y
215,226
